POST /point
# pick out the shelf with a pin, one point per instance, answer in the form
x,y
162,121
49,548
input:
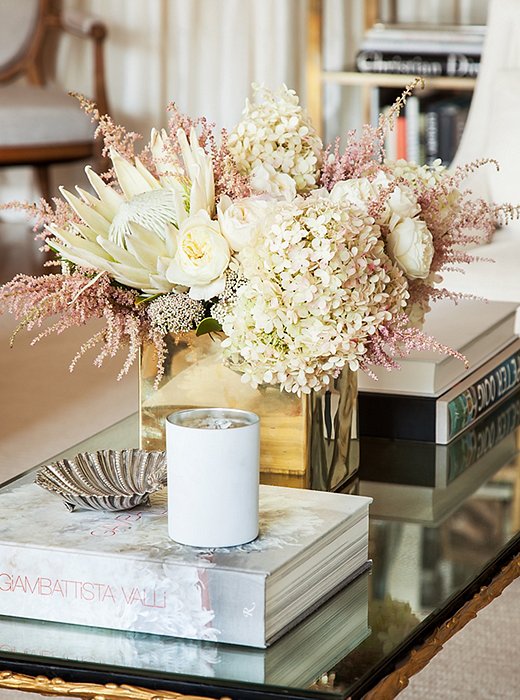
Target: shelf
x,y
354,78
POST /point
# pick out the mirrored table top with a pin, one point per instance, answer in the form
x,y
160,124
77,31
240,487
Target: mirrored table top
x,y
441,525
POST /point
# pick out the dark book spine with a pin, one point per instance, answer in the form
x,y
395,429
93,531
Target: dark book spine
x,y
396,416
447,132
441,419
483,394
450,64
431,135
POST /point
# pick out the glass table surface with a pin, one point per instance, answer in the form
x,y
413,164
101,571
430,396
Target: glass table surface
x,y
433,544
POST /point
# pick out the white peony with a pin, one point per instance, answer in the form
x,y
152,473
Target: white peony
x,y
201,258
241,220
410,245
402,205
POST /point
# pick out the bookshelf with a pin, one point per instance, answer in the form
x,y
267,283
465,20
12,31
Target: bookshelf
x,y
318,77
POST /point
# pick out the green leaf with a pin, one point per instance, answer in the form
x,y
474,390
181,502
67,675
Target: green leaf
x,y
141,299
208,325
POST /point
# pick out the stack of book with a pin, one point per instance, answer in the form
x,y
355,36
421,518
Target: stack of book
x,y
430,127
423,482
434,397
310,649
122,571
411,49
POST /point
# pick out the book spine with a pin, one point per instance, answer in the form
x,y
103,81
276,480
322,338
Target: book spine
x,y
413,139
485,392
138,596
474,443
401,129
427,418
452,64
447,116
431,135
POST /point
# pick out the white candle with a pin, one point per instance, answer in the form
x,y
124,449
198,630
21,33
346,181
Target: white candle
x,y
213,476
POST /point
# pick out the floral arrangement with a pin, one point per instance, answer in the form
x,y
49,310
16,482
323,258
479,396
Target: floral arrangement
x,y
309,259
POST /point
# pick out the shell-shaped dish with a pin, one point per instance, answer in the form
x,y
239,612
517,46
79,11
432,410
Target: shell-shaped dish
x,y
105,480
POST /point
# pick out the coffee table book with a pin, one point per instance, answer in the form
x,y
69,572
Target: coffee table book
x,y
122,571
311,648
430,505
440,419
475,328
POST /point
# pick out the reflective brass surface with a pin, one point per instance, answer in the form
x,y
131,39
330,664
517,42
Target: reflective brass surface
x,y
304,441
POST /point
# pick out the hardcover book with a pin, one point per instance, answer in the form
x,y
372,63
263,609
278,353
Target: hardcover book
x,y
475,328
311,648
430,505
122,571
441,419
428,464
433,39
409,62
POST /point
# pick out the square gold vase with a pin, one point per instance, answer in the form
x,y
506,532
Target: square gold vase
x,y
305,441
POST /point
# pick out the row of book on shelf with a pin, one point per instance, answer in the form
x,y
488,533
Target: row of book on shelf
x,y
427,130
430,127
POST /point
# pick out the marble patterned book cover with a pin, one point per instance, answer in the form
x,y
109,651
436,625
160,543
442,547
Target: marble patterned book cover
x,y
122,570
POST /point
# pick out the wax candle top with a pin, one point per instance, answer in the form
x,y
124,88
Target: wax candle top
x,y
213,418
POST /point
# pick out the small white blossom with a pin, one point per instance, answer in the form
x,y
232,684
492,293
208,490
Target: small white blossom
x,y
275,131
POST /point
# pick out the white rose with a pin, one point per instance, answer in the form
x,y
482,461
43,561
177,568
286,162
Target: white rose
x,y
241,220
402,204
264,179
410,245
202,257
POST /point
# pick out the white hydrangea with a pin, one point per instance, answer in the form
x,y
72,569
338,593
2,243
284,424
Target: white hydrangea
x,y
275,131
319,284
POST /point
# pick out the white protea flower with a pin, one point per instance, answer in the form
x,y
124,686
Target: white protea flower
x,y
132,234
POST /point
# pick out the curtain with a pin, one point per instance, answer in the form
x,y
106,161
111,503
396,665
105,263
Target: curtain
x,y
204,55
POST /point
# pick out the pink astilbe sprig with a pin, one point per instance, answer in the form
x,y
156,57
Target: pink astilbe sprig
x,y
227,177
363,156
396,340
75,299
205,129
360,158
113,135
43,214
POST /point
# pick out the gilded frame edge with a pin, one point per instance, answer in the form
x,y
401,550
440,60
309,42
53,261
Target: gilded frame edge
x,y
417,659
90,691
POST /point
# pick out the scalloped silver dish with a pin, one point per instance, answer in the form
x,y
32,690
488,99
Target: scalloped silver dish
x,y
105,480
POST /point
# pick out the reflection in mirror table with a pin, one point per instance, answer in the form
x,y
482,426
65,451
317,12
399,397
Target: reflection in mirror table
x,y
435,540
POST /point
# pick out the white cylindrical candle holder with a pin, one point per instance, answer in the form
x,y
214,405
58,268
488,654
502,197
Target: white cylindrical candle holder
x,y
213,457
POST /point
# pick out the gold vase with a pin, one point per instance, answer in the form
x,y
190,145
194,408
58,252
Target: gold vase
x,y
305,442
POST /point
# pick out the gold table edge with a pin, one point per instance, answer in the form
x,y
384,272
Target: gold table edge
x,y
417,659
